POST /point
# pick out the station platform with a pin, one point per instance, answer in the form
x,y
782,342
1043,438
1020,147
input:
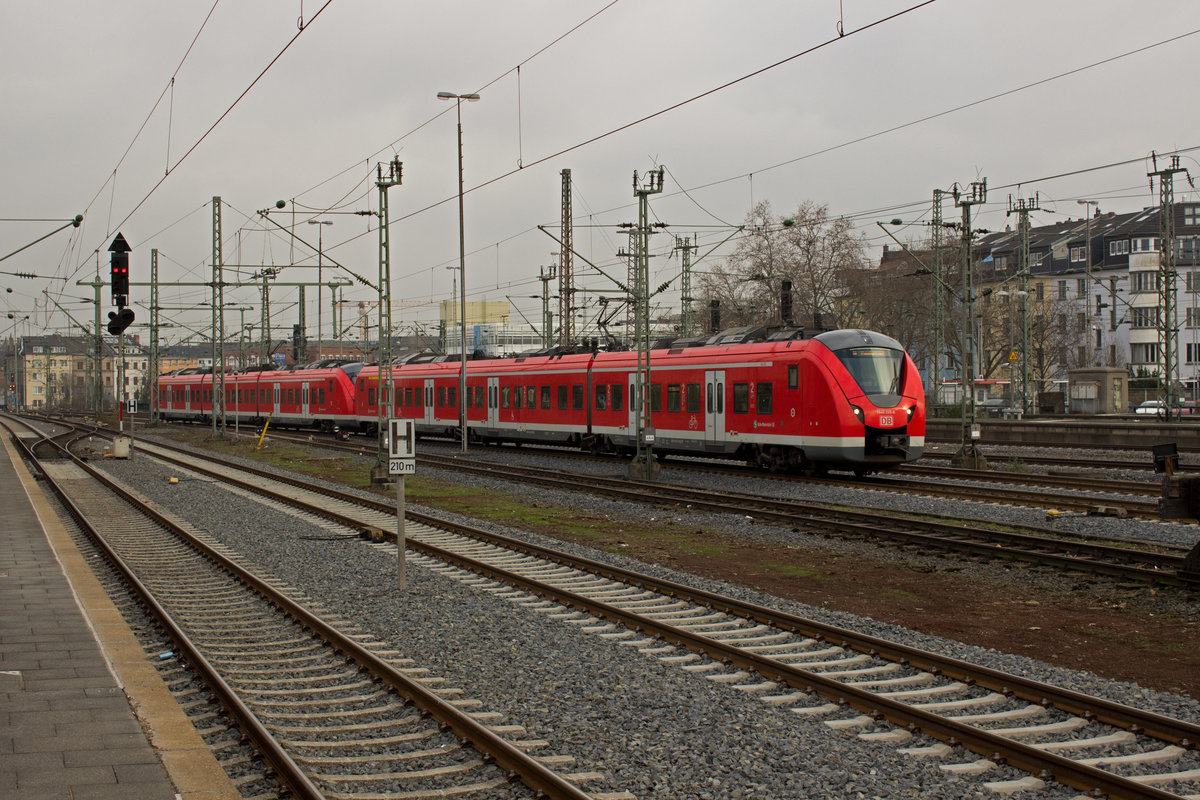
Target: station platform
x,y
83,712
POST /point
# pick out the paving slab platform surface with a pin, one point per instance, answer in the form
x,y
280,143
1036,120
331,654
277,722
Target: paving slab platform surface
x,y
83,712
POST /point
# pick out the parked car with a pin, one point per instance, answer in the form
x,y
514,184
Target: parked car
x,y
993,406
1153,407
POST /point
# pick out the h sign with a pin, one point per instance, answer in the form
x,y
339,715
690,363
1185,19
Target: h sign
x,y
402,437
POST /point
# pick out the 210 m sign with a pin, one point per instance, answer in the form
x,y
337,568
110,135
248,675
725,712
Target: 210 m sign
x,y
402,466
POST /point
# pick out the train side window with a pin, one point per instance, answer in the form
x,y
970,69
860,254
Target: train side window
x,y
763,401
546,398
601,396
562,398
618,397
531,397
793,376
577,397
408,398
321,396
505,397
371,396
452,397
741,398
518,396
673,392
479,401
470,397
656,397
693,398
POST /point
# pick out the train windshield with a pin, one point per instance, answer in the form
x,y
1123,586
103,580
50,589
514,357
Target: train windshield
x,y
878,371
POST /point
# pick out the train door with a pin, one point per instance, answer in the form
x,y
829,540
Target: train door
x,y
275,399
429,401
635,402
493,402
714,405
304,399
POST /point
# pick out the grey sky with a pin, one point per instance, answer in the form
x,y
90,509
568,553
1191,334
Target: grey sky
x,y
360,84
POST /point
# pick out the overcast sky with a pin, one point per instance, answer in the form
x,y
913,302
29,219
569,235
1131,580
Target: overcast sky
x,y
92,121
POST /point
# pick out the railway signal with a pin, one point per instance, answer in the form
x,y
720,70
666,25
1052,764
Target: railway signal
x,y
119,320
119,271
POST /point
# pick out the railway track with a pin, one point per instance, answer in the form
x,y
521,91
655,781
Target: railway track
x,y
334,714
863,685
1084,494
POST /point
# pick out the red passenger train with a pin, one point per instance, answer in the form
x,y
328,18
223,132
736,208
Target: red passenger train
x,y
846,399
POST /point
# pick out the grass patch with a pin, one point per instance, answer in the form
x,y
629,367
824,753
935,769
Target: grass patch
x,y
1134,639
902,594
791,570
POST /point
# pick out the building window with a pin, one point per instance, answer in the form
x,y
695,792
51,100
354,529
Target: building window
x,y
1081,287
1144,281
1078,253
1191,215
1193,317
1193,349
1144,317
1144,353
1062,290
1186,247
1145,245
1039,291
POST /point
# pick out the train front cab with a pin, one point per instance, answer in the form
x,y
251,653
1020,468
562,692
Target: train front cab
x,y
884,394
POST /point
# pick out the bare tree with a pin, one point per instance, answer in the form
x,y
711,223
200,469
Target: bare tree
x,y
809,248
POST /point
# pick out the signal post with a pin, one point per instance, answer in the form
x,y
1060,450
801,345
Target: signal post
x,y
118,321
402,460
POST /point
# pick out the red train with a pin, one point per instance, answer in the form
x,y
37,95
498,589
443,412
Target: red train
x,y
845,399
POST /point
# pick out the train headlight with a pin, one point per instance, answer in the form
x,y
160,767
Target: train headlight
x,y
858,412
911,410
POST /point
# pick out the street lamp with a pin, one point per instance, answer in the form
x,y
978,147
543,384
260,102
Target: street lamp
x,y
462,269
320,223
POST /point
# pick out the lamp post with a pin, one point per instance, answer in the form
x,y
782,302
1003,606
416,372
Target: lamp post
x,y
320,223
462,270
1087,303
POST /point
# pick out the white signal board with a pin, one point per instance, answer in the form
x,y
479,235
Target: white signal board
x,y
402,437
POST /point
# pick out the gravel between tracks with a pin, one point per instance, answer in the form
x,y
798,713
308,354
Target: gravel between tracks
x,y
651,728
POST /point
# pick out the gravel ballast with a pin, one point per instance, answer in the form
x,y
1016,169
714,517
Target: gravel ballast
x,y
651,728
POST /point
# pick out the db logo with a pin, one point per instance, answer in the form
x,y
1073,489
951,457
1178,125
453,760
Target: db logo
x,y
886,420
